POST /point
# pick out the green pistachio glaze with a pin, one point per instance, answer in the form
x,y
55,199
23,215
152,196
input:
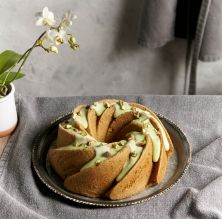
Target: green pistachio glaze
x,y
152,132
155,138
136,152
100,151
81,118
80,138
99,108
121,109
136,139
146,115
72,147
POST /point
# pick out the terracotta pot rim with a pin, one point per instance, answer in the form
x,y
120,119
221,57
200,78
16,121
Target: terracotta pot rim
x,y
12,91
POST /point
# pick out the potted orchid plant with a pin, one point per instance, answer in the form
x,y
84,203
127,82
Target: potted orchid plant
x,y
11,62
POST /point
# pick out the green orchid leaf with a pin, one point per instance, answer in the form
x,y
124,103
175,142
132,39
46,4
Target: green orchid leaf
x,y
8,58
11,77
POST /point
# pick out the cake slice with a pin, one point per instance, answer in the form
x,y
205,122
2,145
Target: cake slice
x,y
64,136
95,181
85,118
137,178
92,123
69,160
159,167
171,148
104,123
67,135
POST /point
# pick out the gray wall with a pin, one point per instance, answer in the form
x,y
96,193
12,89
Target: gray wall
x,y
109,61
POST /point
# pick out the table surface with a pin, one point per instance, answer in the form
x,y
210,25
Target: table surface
x,y
196,195
3,142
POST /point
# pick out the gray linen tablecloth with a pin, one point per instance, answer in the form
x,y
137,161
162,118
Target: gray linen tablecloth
x,y
197,195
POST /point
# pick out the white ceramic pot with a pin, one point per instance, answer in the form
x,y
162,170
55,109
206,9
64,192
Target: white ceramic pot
x,y
8,114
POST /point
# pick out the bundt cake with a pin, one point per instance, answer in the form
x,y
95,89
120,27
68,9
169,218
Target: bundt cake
x,y
111,149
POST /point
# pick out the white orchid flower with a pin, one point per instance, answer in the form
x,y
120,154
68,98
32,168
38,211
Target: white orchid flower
x,y
54,37
45,18
67,19
58,37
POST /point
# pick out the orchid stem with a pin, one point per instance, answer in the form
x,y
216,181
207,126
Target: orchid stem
x,y
26,55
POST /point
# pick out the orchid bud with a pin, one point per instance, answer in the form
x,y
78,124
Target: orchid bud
x,y
72,39
53,49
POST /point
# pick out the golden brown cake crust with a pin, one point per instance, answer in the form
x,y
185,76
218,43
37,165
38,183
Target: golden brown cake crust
x,y
117,124
64,137
79,107
159,168
104,123
92,122
68,162
95,181
126,129
137,178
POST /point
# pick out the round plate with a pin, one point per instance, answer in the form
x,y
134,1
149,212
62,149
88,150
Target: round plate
x,y
177,166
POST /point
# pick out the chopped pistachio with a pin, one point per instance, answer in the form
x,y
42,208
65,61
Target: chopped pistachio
x,y
133,154
157,132
121,104
144,125
94,143
114,145
143,143
106,154
90,143
98,162
68,126
131,137
80,118
107,105
137,114
122,143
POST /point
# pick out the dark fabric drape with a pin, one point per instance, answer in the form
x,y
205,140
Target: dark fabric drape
x,y
162,21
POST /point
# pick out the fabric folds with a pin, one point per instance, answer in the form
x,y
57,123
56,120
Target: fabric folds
x,y
162,21
197,195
